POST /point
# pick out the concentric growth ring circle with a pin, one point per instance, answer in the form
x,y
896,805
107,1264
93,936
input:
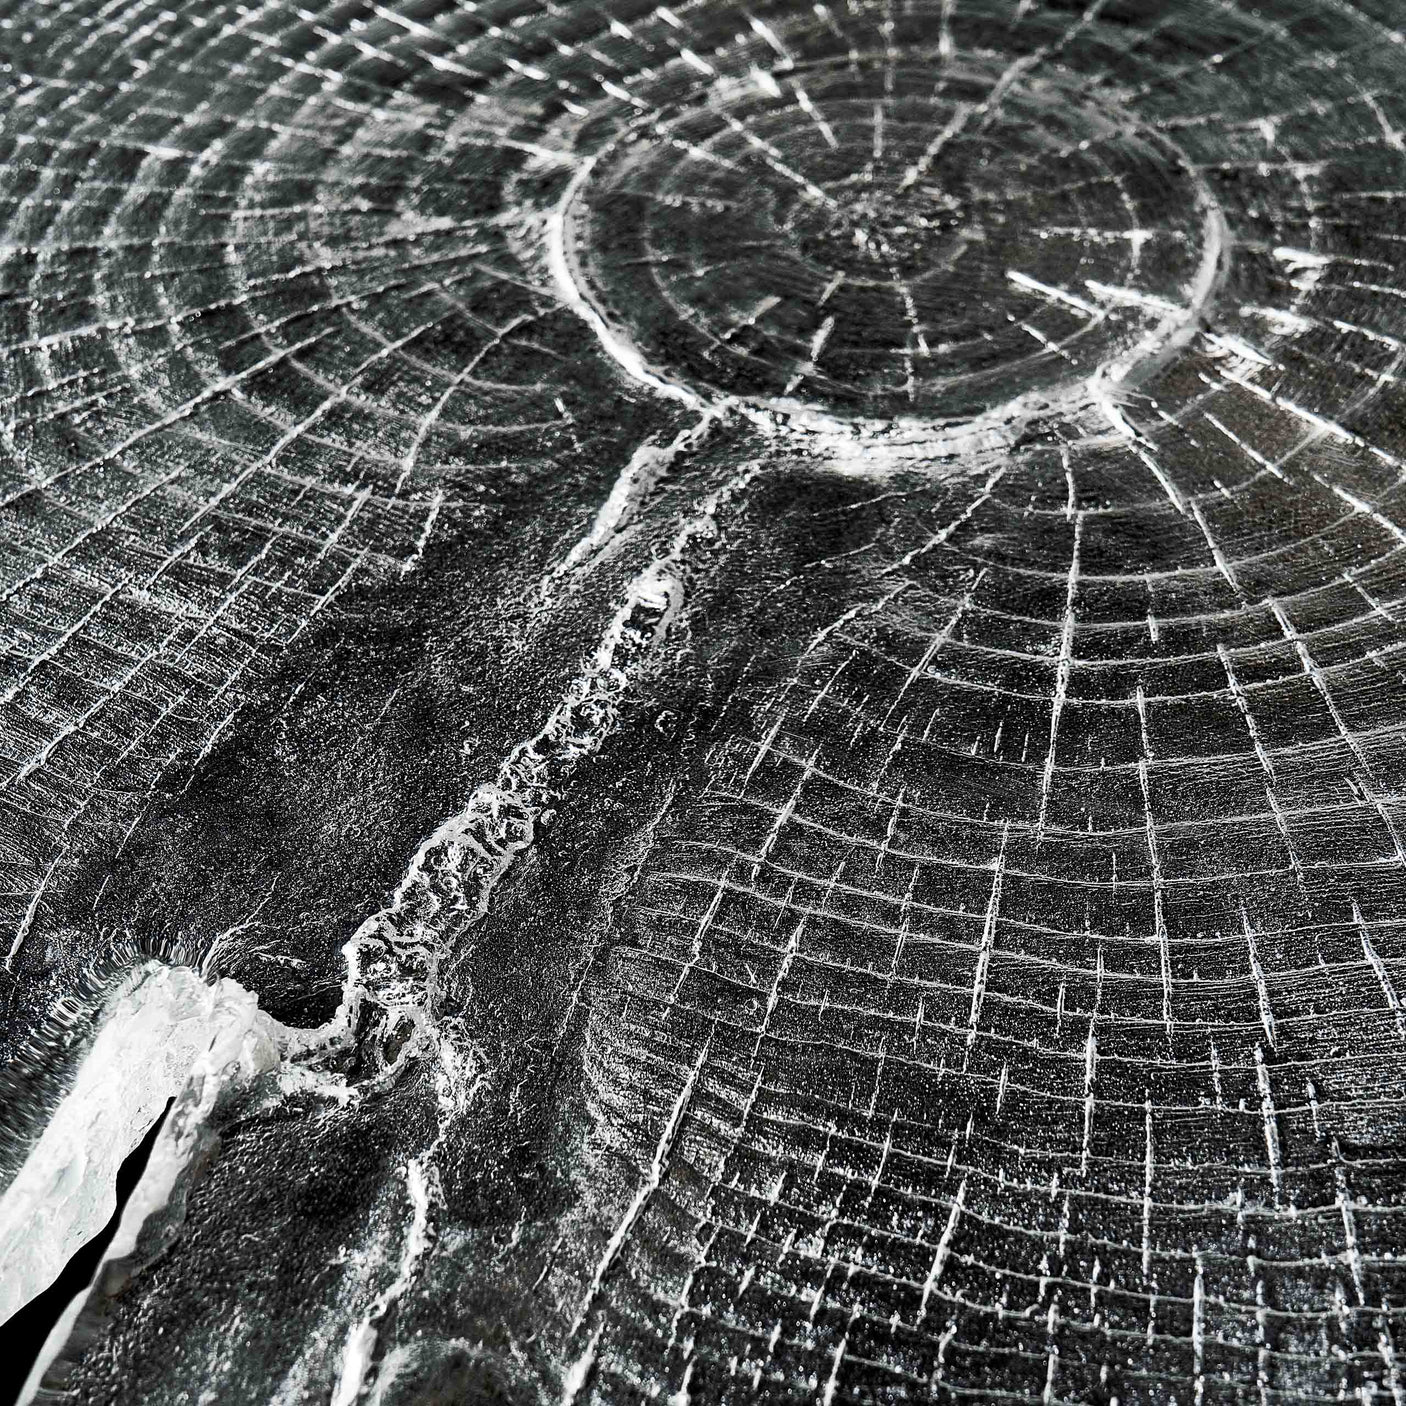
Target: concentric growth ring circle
x,y
861,237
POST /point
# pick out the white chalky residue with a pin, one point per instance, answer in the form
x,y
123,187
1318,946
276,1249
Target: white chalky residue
x,y
163,1028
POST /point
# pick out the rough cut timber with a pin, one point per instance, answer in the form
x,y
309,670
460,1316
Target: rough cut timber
x,y
773,635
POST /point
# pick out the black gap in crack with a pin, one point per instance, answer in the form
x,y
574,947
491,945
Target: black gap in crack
x,y
26,1332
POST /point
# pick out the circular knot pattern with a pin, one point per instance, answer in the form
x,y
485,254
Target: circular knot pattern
x,y
856,236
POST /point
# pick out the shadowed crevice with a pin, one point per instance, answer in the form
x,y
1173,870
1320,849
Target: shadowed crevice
x,y
25,1333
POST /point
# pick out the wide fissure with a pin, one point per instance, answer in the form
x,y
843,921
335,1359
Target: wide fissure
x,y
25,1333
